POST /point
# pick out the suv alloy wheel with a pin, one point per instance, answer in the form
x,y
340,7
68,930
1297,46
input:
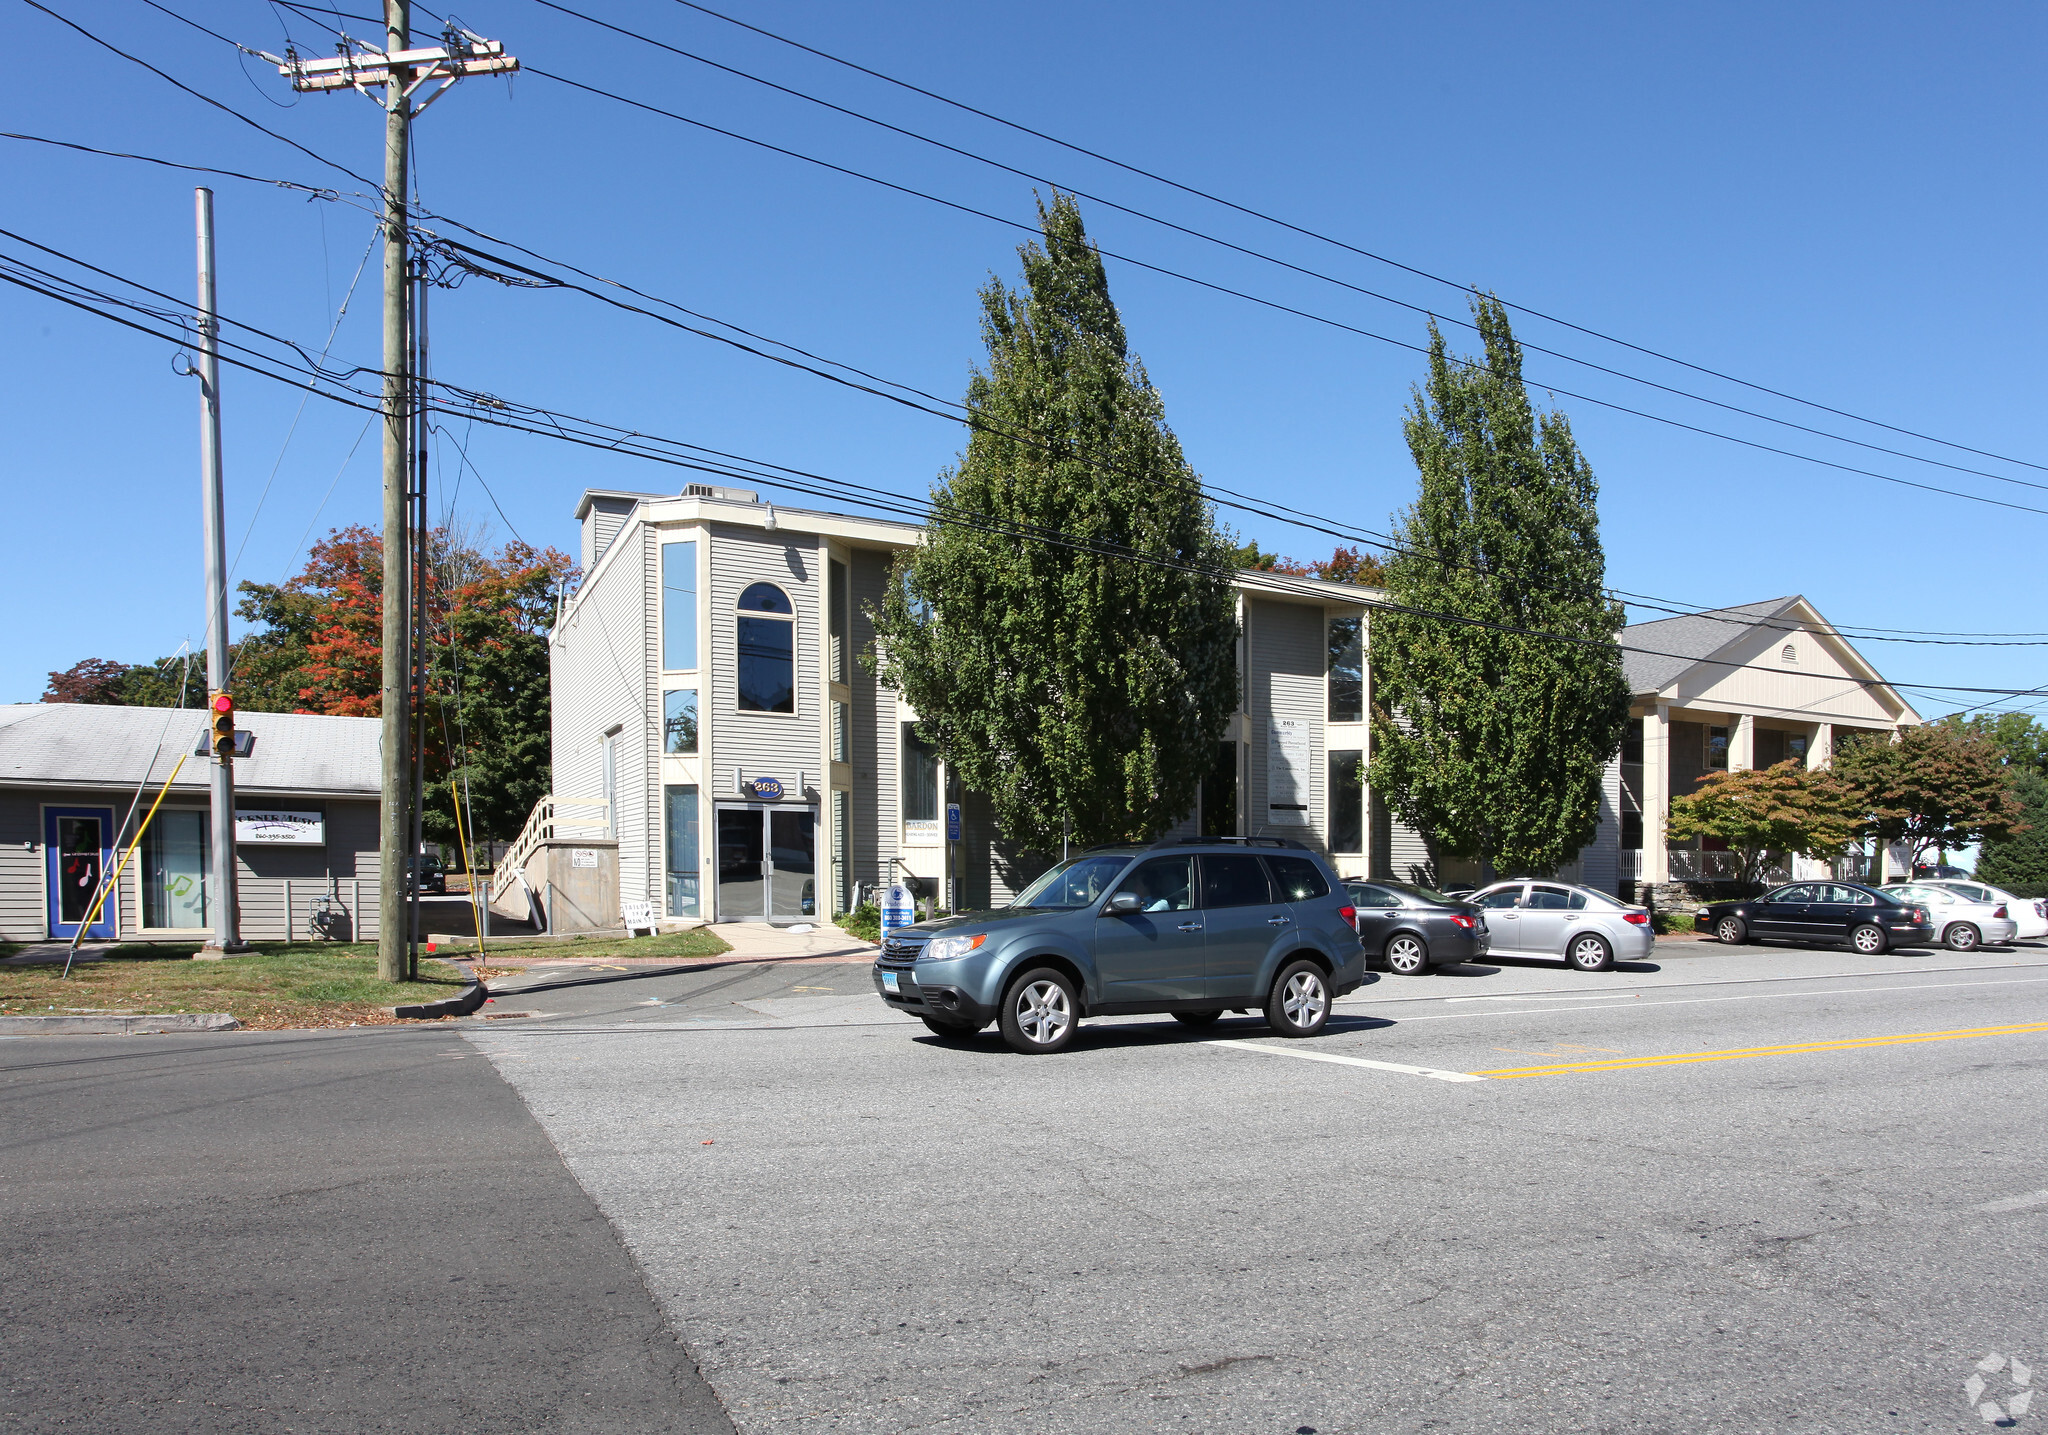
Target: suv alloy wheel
x,y
1299,1004
1039,1012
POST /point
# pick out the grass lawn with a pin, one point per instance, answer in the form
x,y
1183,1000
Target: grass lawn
x,y
506,952
280,984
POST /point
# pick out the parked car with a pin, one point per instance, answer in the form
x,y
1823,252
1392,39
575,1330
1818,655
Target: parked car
x,y
2030,914
1194,928
1582,926
1415,928
425,874
1962,924
1828,912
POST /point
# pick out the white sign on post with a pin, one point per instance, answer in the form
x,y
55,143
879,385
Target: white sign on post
x,y
1288,760
897,909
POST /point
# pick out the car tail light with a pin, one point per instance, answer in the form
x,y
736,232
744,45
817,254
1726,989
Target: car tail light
x,y
2000,912
1920,915
1636,919
1349,914
1459,919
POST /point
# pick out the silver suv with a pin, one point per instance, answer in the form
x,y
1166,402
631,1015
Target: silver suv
x,y
1194,928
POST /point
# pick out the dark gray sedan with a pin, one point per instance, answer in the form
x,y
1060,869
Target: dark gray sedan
x,y
1416,929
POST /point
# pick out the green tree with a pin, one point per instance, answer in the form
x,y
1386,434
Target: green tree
x,y
1492,744
1935,787
1069,685
2019,863
2021,740
1761,811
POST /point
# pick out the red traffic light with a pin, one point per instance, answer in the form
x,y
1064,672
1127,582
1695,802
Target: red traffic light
x,y
222,703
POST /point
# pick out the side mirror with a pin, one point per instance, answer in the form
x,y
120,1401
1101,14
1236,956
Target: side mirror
x,y
1124,902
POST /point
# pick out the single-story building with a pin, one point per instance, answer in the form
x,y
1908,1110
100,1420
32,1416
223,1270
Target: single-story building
x,y
305,828
1733,688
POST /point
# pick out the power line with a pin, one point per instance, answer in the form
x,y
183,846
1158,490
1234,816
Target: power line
x,y
588,433
1342,244
1261,255
1273,304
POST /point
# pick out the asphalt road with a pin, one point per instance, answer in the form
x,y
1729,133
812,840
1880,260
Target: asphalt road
x,y
333,1232
859,1228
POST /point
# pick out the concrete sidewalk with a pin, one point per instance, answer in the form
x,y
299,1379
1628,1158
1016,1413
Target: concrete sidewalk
x,y
310,1232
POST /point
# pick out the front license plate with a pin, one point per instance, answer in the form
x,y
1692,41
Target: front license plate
x,y
889,980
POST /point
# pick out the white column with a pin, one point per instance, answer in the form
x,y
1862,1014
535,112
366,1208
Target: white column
x,y
1820,748
1742,743
1656,793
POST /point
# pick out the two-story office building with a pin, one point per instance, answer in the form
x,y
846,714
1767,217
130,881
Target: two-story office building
x,y
708,693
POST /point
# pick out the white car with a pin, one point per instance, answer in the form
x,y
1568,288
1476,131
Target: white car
x,y
2030,912
1586,927
1962,924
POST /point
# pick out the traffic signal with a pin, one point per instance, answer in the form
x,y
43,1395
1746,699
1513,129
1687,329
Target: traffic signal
x,y
223,725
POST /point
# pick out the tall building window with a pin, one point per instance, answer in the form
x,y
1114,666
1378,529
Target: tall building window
x,y
920,778
1717,749
1219,793
176,864
767,641
679,720
611,784
842,733
1347,801
682,852
839,619
679,607
1347,670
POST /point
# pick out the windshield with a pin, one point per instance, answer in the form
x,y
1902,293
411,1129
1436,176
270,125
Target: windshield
x,y
1079,883
1434,898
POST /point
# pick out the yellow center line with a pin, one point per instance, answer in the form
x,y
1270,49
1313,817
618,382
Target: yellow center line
x,y
1794,1049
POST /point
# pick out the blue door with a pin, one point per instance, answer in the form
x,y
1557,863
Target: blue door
x,y
78,846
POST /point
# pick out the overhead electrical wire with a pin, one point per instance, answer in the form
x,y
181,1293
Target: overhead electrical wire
x,y
1339,243
591,433
1432,314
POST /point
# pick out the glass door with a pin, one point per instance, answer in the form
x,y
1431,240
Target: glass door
x,y
78,844
767,863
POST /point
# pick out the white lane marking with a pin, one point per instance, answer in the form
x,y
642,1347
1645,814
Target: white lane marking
x,y
1359,998
1749,997
2017,1203
1348,1061
1548,996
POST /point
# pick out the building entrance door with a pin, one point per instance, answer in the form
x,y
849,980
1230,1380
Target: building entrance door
x,y
78,843
767,863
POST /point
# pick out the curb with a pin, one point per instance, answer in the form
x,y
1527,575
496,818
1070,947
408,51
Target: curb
x,y
108,1024
463,1005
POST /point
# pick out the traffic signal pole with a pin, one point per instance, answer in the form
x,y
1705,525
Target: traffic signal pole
x,y
225,916
401,71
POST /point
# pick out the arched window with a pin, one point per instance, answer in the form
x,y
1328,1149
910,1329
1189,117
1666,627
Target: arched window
x,y
767,642
1788,654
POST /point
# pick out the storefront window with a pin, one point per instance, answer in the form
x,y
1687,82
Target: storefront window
x,y
679,720
1347,670
1347,801
682,852
767,641
679,607
176,868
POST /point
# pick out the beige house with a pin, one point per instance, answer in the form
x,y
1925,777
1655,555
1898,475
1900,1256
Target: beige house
x,y
1734,688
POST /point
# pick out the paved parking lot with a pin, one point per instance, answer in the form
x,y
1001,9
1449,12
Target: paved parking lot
x,y
1732,1190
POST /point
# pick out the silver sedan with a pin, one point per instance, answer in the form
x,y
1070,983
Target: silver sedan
x,y
1962,924
1582,926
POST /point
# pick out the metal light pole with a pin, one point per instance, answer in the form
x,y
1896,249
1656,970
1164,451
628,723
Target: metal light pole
x,y
226,919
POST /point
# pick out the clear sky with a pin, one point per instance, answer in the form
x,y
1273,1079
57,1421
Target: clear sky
x,y
1838,201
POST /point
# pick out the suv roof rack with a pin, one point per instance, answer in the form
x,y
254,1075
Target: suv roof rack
x,y
1224,841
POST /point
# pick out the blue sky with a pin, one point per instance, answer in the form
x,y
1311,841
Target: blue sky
x,y
1831,200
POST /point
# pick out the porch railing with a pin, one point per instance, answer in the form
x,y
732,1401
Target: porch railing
x,y
545,821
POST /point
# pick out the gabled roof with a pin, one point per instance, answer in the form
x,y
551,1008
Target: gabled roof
x,y
1675,644
88,745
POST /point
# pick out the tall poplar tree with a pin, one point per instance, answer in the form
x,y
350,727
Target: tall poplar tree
x,y
1491,744
1081,690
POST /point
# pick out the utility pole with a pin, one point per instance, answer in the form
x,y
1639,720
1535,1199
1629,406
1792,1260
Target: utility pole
x,y
401,71
226,919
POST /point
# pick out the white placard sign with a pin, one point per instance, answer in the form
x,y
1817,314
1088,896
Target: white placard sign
x,y
272,828
1287,772
921,831
582,856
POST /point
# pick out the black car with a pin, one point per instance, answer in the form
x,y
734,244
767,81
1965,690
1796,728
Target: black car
x,y
1824,912
425,874
1416,929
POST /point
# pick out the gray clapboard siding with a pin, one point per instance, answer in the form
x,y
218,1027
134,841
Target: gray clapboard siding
x,y
784,745
1286,655
1600,862
22,911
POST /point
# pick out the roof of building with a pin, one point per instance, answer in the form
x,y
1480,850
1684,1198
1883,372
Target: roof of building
x,y
89,745
1678,643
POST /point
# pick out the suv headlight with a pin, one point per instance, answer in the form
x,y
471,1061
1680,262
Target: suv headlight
x,y
947,949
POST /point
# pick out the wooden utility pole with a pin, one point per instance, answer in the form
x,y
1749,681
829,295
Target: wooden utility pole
x,y
401,71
